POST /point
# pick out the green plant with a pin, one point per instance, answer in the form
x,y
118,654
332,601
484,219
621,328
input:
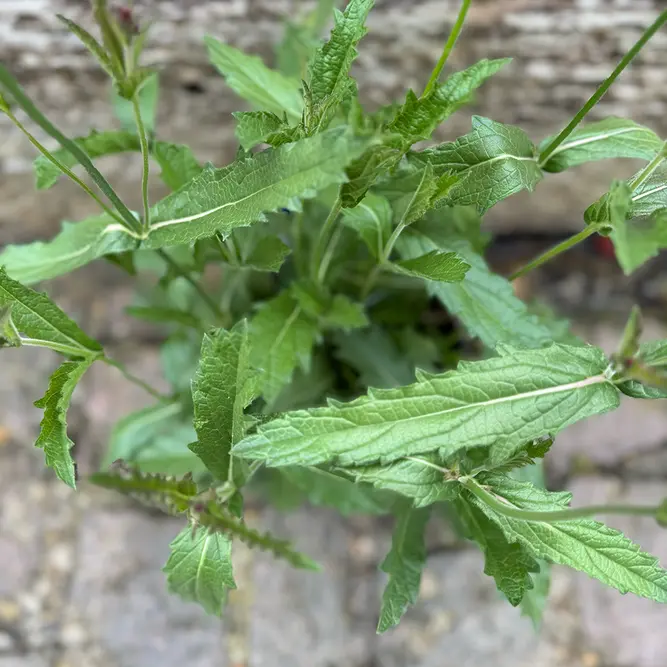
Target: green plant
x,y
337,385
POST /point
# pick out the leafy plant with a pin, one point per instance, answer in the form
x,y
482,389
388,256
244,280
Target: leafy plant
x,y
328,355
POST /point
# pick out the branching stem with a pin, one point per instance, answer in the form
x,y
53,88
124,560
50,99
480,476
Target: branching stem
x,y
323,241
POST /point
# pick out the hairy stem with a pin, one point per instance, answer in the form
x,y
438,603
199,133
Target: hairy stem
x,y
143,141
603,88
65,170
502,507
323,241
449,46
135,380
556,250
183,273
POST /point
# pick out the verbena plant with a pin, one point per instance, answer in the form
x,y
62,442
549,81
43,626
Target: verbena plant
x,y
316,293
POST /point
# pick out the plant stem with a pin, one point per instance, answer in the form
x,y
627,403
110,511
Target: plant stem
x,y
143,141
556,250
224,249
384,258
323,239
213,306
502,507
449,46
328,254
135,380
602,89
65,170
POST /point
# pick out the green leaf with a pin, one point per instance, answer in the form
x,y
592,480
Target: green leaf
x,y
483,301
94,47
376,357
179,358
609,138
583,544
250,78
404,565
255,127
371,219
77,244
328,73
282,337
220,200
492,162
222,388
413,478
438,265
39,321
164,315
508,563
501,402
307,388
418,117
329,490
199,568
268,254
148,104
9,336
53,437
343,313
179,165
535,599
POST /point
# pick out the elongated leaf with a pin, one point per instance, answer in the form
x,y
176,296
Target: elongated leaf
x,y
492,162
250,78
508,563
608,138
404,565
483,301
502,402
418,117
412,478
371,218
179,166
77,244
222,388
328,73
446,267
376,357
164,315
53,437
199,568
255,127
238,195
94,47
586,545
324,488
282,337
36,317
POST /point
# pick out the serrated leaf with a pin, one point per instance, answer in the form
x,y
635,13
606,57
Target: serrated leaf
x,y
53,437
609,138
36,317
282,337
268,254
250,78
326,489
437,265
583,544
328,72
239,195
501,402
343,313
492,162
404,565
371,219
376,357
199,568
255,127
483,301
148,96
508,563
77,244
223,386
179,165
535,599
415,479
418,117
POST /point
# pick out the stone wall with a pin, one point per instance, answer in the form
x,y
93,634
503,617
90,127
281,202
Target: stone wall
x,y
562,49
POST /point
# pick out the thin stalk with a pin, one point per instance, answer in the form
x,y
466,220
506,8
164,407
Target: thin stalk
x,y
224,249
135,380
603,88
328,254
449,46
384,258
66,170
62,348
645,173
179,270
323,238
556,250
143,141
502,507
